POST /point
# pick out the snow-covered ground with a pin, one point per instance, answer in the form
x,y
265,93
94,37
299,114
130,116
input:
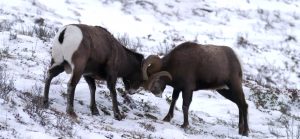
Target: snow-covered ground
x,y
264,33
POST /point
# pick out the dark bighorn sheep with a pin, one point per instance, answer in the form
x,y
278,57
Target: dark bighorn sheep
x,y
192,67
92,52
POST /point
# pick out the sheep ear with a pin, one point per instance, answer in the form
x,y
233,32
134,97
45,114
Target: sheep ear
x,y
149,83
153,62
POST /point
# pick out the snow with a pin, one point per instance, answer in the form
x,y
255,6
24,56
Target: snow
x,y
270,59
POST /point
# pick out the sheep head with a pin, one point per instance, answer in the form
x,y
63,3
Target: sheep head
x,y
152,66
133,81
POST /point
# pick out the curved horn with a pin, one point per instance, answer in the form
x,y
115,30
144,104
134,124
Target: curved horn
x,y
155,76
151,65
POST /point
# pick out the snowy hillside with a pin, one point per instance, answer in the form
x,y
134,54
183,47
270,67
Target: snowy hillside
x,y
264,33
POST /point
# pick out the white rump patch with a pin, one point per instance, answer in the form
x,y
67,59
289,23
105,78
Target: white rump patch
x,y
72,39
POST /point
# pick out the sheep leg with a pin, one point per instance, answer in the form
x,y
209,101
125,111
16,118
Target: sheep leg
x,y
111,83
92,86
76,75
170,114
243,106
229,95
187,99
237,96
245,114
52,72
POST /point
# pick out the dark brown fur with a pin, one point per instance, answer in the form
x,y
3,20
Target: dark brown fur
x,y
99,56
195,67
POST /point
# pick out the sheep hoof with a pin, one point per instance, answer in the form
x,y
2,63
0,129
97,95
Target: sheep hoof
x,y
46,104
244,132
167,118
72,114
184,125
119,116
95,111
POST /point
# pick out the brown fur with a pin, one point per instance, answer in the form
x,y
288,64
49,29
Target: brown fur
x,y
195,67
99,56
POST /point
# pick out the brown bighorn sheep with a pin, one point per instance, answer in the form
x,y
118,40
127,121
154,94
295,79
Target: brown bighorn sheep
x,y
92,52
192,67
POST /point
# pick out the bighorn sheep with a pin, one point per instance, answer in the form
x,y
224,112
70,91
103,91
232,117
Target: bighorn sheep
x,y
192,67
92,52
